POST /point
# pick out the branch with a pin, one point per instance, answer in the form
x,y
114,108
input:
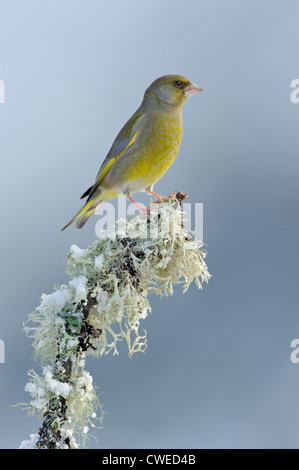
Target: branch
x,y
102,304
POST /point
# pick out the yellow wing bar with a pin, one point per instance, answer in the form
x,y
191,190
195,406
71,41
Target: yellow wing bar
x,y
111,162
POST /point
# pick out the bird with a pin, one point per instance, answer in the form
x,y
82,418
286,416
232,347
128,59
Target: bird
x,y
145,147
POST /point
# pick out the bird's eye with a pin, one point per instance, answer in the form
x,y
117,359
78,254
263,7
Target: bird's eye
x,y
178,84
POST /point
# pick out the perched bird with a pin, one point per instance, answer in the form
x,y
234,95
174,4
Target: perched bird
x,y
145,147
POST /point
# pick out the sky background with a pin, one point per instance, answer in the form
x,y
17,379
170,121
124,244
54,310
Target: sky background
x,y
217,371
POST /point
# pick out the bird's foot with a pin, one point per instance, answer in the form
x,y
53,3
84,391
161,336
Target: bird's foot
x,y
156,206
158,196
151,207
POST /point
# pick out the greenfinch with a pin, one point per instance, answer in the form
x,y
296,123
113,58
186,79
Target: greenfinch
x,y
145,147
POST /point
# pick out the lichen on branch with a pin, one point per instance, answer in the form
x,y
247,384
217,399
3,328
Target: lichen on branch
x,y
104,303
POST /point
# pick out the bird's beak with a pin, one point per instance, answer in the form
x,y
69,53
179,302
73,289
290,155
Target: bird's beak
x,y
191,89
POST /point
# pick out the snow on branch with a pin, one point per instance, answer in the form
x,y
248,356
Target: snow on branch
x,y
103,304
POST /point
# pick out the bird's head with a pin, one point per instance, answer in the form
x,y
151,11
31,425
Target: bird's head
x,y
171,90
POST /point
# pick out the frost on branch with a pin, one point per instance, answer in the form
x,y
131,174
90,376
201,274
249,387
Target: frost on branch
x,y
103,304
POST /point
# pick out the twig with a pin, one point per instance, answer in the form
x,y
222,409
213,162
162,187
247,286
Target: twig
x,y
102,304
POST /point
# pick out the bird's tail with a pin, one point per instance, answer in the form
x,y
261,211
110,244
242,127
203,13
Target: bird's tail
x,y
83,215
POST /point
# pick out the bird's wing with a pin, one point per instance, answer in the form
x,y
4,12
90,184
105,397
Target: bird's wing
x,y
125,139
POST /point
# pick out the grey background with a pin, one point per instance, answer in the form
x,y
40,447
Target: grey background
x,y
217,371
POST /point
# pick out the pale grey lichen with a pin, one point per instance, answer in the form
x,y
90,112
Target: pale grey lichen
x,y
103,304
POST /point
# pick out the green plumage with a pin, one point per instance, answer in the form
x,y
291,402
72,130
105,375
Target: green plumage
x,y
145,147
